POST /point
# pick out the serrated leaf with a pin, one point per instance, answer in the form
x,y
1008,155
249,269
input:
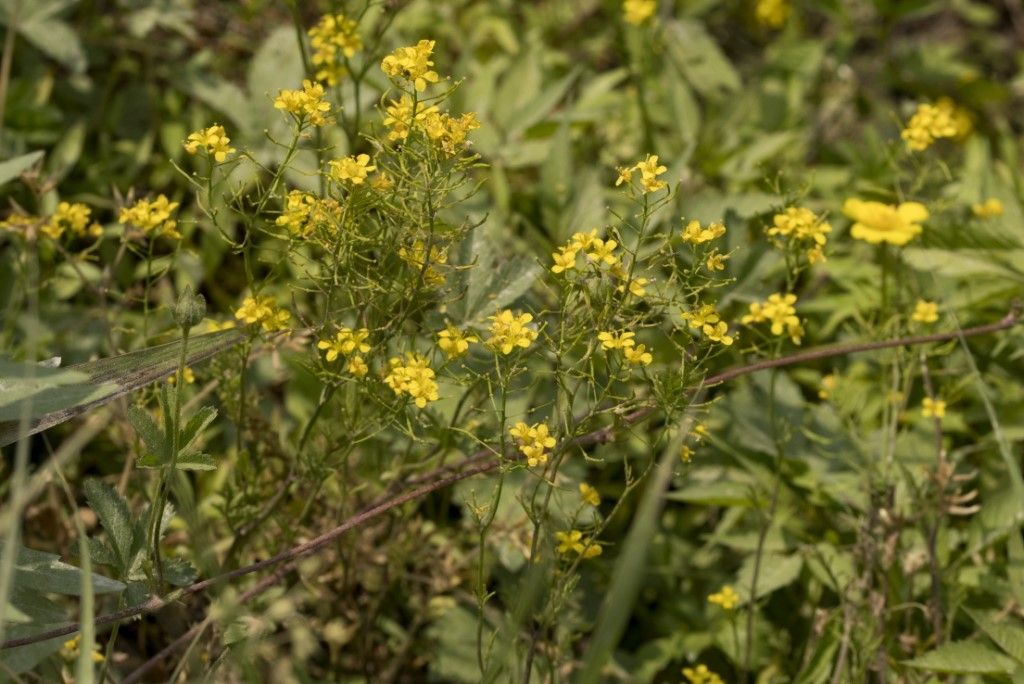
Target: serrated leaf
x,y
195,427
1008,634
101,554
196,461
106,380
964,657
12,168
114,516
158,449
179,572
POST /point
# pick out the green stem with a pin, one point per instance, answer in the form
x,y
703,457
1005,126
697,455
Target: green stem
x,y
5,66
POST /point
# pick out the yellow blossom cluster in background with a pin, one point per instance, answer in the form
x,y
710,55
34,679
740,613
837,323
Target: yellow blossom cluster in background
x,y
990,208
933,408
416,255
307,105
213,140
726,597
801,225
303,212
533,441
510,330
589,495
772,13
334,36
413,377
779,311
701,675
572,542
637,12
152,217
707,320
263,311
352,170
931,122
634,354
925,312
412,64
695,234
346,341
875,222
71,217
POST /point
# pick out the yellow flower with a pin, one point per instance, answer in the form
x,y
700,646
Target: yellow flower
x,y
20,223
357,366
533,441
413,377
71,648
649,171
454,342
448,131
307,105
703,316
602,250
263,311
614,340
564,258
875,222
625,175
583,240
589,495
726,597
933,408
780,312
187,375
415,257
772,13
152,217
694,234
990,208
716,261
932,122
637,12
685,454
213,140
572,542
346,341
718,333
353,170
637,286
701,675
638,356
333,34
297,206
925,312
828,385
73,217
510,330
412,64
700,432
800,223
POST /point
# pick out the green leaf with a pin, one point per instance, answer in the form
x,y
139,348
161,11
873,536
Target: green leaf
x,y
112,511
195,427
723,493
964,657
61,397
28,613
699,59
12,168
195,461
50,35
492,283
159,450
1008,634
44,572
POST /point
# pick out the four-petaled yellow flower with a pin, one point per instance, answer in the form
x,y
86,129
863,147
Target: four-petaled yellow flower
x,y
780,312
152,217
603,250
564,258
638,355
933,408
455,342
263,311
572,542
637,12
345,342
307,105
357,366
719,332
533,441
333,38
716,261
701,675
214,140
875,222
990,208
412,64
726,597
800,223
73,217
510,330
589,495
352,170
925,312
616,340
694,234
414,377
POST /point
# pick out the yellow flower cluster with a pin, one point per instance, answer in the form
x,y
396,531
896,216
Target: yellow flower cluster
x,y
932,122
726,597
635,354
780,312
572,542
264,311
596,250
73,217
510,330
533,441
152,217
990,208
637,12
802,225
352,170
72,647
454,342
701,675
933,408
772,13
186,374
925,312
19,223
345,342
413,377
649,169
415,255
303,212
213,140
710,323
333,34
875,222
695,234
412,64
306,105
589,495
403,115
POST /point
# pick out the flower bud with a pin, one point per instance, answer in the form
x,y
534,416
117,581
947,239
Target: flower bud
x,y
190,309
